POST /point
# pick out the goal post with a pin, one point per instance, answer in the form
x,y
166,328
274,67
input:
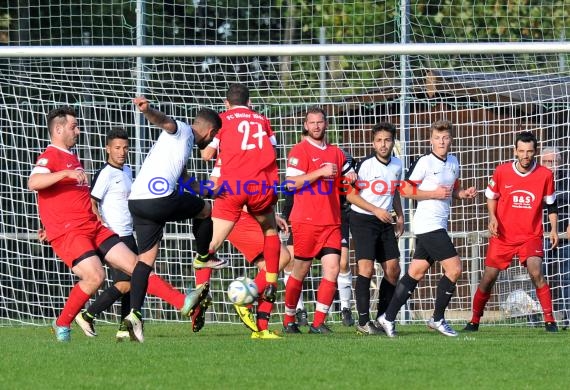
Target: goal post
x,y
489,86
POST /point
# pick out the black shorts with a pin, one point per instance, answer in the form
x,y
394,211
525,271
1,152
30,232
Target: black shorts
x,y
373,239
150,215
345,226
120,276
434,246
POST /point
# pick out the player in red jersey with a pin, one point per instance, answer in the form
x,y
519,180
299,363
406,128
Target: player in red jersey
x,y
313,169
71,227
247,237
247,178
515,198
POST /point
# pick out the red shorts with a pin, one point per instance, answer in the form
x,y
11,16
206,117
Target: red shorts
x,y
500,254
82,242
258,199
247,237
309,240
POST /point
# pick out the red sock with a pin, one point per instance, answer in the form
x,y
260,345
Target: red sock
x,y
292,294
260,281
164,290
264,308
75,302
262,305
479,301
325,297
203,275
271,251
545,299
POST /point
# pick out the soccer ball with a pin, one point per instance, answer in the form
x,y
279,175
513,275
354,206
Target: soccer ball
x,y
242,291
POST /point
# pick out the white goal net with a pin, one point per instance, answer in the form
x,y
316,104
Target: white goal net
x,y
489,97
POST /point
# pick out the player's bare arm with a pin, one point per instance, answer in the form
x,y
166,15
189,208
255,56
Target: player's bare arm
x,y
296,182
95,208
493,222
282,224
399,228
351,176
383,215
411,190
553,235
208,153
40,181
42,235
154,116
468,193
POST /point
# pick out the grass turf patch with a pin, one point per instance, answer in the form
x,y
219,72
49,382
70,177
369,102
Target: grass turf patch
x,y
223,356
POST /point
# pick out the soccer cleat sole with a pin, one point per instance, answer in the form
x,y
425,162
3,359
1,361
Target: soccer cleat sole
x,y
188,312
199,316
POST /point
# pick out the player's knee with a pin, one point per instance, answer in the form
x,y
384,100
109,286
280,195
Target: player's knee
x,y
331,271
205,212
94,279
537,279
365,268
392,273
123,287
453,273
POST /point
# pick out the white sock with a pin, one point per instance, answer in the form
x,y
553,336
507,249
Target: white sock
x,y
286,277
344,282
300,303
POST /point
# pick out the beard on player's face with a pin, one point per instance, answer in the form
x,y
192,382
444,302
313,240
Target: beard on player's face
x,y
317,134
525,161
201,144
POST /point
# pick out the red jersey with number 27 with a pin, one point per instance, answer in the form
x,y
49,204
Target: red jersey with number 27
x,y
65,204
317,203
245,147
520,200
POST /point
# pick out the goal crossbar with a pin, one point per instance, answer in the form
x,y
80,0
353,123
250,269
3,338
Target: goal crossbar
x,y
286,50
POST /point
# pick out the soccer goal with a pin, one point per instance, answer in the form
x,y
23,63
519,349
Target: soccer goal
x,y
408,66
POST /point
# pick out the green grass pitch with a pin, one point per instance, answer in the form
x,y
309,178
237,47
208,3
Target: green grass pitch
x,y
224,357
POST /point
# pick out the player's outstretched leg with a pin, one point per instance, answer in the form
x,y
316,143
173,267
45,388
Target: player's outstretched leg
x,y
194,298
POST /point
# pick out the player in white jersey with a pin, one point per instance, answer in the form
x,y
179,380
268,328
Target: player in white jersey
x,y
436,173
156,199
375,238
110,189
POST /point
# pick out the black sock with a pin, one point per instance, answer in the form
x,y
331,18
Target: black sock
x,y
362,296
104,301
125,305
385,294
139,283
445,289
202,230
403,291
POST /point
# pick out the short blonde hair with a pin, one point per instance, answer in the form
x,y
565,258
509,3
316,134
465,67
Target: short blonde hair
x,y
442,125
